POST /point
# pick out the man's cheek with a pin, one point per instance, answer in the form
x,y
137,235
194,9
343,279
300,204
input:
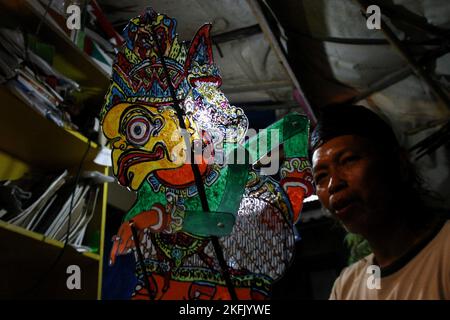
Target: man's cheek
x,y
323,198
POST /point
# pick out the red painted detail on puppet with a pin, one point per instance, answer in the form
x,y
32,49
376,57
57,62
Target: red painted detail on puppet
x,y
200,53
156,220
297,182
184,176
202,291
181,290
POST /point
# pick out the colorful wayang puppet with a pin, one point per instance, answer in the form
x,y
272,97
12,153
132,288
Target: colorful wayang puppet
x,y
205,227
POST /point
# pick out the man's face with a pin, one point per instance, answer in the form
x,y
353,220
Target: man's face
x,y
351,182
143,140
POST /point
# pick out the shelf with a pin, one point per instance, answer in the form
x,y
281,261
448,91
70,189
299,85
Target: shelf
x,y
34,260
29,141
11,169
28,255
37,141
82,138
34,236
69,59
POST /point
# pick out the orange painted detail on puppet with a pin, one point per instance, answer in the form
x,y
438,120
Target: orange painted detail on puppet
x,y
297,182
181,290
180,177
144,139
184,176
155,220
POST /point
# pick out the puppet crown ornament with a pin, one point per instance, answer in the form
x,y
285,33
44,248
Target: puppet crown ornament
x,y
152,57
200,228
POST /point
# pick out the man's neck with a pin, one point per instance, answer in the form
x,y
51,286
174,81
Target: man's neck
x,y
393,240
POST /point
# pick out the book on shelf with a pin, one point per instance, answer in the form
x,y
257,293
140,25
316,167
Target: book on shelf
x,y
101,58
96,30
41,188
39,7
52,204
104,24
30,97
28,76
43,88
39,88
80,218
67,196
76,207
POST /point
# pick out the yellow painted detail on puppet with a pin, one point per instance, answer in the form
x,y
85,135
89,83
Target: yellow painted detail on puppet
x,y
144,139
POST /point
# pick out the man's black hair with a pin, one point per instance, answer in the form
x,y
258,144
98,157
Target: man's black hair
x,y
346,119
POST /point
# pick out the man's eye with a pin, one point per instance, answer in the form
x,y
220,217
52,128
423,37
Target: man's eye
x,y
349,159
138,130
319,178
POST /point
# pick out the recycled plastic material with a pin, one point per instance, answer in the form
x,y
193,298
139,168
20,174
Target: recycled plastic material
x,y
252,215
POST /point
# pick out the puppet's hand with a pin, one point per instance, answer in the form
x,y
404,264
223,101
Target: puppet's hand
x,y
122,242
153,220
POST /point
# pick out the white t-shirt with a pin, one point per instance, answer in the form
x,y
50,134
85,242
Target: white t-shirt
x,y
422,274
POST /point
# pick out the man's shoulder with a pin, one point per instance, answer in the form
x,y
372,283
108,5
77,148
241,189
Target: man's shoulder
x,y
446,228
350,279
440,241
357,269
443,237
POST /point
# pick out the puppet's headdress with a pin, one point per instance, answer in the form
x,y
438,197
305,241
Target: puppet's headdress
x,y
152,55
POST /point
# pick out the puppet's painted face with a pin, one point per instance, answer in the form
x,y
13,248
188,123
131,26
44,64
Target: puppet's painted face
x,y
143,139
145,136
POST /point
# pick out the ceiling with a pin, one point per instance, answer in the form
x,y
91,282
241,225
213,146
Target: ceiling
x,y
332,54
337,59
250,69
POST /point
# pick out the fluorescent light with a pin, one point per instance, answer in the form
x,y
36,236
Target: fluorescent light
x,y
311,198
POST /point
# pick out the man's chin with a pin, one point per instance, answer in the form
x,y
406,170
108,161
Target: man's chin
x,y
351,218
355,226
352,228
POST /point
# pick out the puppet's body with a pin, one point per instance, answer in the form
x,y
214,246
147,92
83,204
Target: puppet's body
x,y
184,266
251,215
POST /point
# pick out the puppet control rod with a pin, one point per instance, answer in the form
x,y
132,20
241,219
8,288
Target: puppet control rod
x,y
198,182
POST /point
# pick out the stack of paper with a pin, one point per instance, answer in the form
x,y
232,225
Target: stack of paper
x,y
56,201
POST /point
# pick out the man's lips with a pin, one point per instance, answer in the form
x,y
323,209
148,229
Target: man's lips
x,y
129,159
341,207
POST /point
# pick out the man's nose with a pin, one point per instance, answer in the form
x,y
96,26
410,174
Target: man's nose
x,y
336,183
